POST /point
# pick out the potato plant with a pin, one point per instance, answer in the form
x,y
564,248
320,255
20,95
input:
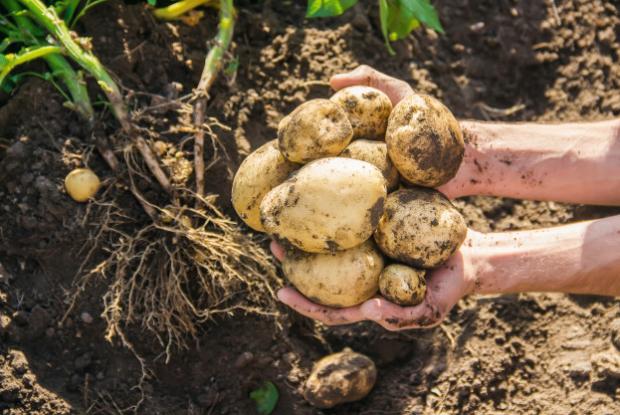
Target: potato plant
x,y
398,18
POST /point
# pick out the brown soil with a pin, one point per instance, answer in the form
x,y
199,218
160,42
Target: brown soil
x,y
525,354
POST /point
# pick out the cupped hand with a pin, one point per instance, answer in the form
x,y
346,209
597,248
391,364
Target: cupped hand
x,y
446,285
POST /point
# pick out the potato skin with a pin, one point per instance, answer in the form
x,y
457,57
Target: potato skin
x,y
342,279
261,171
424,141
82,184
317,128
420,227
403,285
368,110
374,152
328,205
341,377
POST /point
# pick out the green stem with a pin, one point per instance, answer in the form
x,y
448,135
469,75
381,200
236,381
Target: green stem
x,y
213,61
74,83
59,66
175,10
28,55
48,18
213,64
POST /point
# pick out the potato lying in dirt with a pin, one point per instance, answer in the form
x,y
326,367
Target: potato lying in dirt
x,y
260,172
403,285
342,279
82,184
424,141
340,377
368,110
420,227
317,128
328,205
374,152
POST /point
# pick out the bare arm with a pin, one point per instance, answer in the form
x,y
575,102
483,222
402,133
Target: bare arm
x,y
581,258
573,162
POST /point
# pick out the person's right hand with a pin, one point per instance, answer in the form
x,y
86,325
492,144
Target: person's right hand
x,y
394,88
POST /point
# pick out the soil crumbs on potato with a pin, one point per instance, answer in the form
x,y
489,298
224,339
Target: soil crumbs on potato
x,y
526,354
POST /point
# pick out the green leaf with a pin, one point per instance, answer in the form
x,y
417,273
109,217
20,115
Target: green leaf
x,y
152,2
401,20
3,60
423,11
328,8
266,398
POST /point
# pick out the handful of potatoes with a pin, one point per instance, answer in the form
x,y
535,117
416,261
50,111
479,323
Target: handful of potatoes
x,y
346,188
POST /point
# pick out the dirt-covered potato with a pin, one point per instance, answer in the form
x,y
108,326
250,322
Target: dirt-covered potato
x,y
260,172
368,110
424,141
340,377
403,285
374,152
317,128
341,279
328,205
420,227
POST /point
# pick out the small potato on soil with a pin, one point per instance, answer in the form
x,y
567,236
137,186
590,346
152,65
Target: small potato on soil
x,y
82,184
317,128
328,205
338,378
374,152
368,110
403,285
420,227
260,172
424,141
343,279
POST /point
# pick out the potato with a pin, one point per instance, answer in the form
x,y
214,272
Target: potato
x,y
317,128
420,227
342,279
374,152
403,285
82,184
424,141
340,377
368,110
328,205
260,172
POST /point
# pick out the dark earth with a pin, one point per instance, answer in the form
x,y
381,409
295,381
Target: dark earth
x,y
499,60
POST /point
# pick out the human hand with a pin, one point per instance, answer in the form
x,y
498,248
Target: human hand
x,y
446,285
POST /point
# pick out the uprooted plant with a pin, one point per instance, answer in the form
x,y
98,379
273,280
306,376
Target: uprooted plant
x,y
188,261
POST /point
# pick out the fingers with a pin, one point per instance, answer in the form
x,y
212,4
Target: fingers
x,y
394,317
327,315
277,250
394,88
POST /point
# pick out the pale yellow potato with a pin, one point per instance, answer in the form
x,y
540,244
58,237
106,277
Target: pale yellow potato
x,y
374,152
424,141
403,285
317,128
328,205
82,184
261,171
368,110
420,227
342,279
338,378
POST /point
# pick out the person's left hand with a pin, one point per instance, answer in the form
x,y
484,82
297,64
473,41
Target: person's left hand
x,y
445,286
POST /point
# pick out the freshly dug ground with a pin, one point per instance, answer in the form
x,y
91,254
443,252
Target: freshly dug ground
x,y
499,60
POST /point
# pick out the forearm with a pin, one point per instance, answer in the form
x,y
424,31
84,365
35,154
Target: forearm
x,y
575,163
581,258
